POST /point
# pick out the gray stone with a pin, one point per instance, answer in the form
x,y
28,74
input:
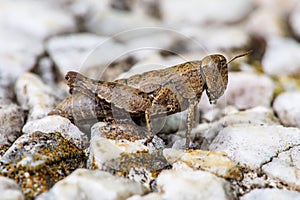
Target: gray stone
x,y
270,194
93,185
287,108
11,122
10,190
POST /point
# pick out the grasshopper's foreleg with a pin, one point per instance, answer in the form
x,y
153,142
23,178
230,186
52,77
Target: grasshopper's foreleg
x,y
190,122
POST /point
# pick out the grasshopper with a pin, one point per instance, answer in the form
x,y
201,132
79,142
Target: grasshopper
x,y
150,94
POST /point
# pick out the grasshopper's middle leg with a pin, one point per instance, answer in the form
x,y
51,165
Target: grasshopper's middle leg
x,y
190,122
161,106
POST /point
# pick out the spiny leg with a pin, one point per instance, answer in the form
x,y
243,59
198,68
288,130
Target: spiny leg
x,y
159,106
190,122
148,122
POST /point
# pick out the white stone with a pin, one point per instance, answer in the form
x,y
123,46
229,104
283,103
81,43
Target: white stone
x,y
143,42
18,54
215,37
54,123
113,22
248,90
295,19
279,7
270,194
93,185
10,190
188,184
11,122
35,96
265,17
49,19
286,167
282,57
258,116
81,51
254,145
201,11
287,107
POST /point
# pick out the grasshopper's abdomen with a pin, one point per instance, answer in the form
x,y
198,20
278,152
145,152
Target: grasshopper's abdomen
x,y
81,109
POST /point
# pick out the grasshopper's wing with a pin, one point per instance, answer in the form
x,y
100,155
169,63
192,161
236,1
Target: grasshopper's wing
x,y
128,98
121,96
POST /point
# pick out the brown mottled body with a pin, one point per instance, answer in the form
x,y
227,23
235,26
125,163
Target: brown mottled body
x,y
180,87
150,94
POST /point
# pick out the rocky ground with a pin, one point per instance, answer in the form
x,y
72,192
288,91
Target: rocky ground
x,y
247,146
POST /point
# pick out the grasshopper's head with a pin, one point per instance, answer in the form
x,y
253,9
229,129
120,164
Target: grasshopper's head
x,y
214,72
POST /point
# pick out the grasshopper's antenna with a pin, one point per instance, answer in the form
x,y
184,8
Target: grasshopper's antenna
x,y
238,56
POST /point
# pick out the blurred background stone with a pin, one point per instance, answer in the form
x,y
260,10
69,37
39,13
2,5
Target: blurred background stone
x,y
253,129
